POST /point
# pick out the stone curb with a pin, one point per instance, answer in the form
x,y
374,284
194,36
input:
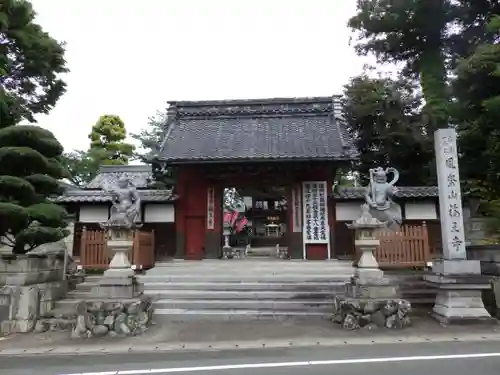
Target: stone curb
x,y
243,345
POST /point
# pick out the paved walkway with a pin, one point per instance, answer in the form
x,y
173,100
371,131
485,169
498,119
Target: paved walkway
x,y
214,335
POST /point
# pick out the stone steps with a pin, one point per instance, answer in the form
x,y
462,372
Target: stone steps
x,y
239,294
250,289
245,289
183,315
315,305
249,285
239,285
246,278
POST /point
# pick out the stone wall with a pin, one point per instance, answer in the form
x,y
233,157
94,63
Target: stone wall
x,y
29,286
477,231
488,255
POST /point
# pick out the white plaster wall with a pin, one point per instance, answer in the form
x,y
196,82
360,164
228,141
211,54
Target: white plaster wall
x,y
347,211
94,213
420,210
159,213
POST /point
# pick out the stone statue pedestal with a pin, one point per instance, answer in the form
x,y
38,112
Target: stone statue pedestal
x,y
119,280
368,280
227,250
459,284
117,305
370,300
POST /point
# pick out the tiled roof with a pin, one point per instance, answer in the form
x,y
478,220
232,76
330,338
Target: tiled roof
x,y
401,192
257,130
140,175
99,196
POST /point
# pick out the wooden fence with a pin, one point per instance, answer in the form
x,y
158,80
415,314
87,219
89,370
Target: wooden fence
x,y
406,248
95,255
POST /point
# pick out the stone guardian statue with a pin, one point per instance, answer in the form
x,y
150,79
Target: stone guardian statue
x,y
378,196
126,204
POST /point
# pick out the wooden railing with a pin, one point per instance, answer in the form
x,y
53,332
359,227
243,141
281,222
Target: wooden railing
x,y
95,255
407,248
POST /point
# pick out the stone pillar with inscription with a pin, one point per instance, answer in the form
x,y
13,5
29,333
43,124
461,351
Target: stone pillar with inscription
x,y
458,280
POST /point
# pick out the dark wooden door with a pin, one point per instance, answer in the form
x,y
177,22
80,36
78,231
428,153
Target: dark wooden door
x,y
195,237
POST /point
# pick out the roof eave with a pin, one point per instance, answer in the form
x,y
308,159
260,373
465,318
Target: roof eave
x,y
257,160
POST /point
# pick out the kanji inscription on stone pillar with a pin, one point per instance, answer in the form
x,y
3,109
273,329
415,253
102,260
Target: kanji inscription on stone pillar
x,y
450,197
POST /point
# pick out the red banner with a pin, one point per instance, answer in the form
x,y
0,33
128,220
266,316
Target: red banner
x,y
241,224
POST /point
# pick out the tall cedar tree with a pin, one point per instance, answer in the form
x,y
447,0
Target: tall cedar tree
x,y
477,90
384,119
30,64
427,37
409,32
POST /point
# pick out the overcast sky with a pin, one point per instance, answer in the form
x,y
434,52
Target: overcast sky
x,y
128,57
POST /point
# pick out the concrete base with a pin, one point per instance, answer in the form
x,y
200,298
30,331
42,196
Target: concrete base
x,y
116,273
459,300
370,283
110,287
461,307
369,276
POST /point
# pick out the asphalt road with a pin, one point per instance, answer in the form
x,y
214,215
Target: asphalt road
x,y
482,358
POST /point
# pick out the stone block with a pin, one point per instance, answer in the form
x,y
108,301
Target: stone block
x,y
30,263
30,269
4,306
114,287
24,309
54,290
495,284
27,303
45,307
377,291
369,276
459,282
456,267
459,299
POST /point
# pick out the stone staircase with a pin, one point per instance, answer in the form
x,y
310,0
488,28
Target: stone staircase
x,y
239,289
251,289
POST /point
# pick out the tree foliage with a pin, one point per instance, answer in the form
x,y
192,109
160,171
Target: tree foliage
x,y
150,141
151,137
411,32
384,118
477,113
107,141
81,167
427,38
107,147
29,172
31,63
